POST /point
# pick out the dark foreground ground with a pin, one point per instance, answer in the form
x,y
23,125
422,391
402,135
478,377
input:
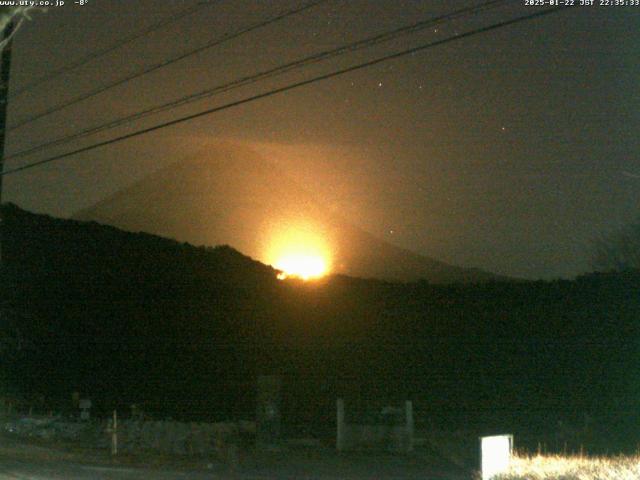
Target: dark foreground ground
x,y
22,460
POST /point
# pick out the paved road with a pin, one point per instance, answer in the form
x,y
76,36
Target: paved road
x,y
24,461
346,470
19,470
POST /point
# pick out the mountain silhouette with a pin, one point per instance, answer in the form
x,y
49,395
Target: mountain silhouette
x,y
186,331
230,194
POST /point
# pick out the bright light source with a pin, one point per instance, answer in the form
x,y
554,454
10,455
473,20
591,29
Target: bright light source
x,y
495,454
298,250
302,266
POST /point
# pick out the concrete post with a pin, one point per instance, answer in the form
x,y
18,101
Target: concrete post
x,y
114,434
340,425
408,410
268,412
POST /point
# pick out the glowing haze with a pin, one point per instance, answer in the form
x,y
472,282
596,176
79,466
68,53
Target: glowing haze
x,y
301,265
298,251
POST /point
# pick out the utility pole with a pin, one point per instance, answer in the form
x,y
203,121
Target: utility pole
x,y
5,67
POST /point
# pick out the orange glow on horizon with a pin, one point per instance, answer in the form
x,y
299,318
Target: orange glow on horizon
x,y
305,267
299,252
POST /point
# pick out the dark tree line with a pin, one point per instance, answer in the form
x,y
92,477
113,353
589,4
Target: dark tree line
x,y
184,331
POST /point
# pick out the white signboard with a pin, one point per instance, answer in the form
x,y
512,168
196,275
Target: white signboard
x,y
495,455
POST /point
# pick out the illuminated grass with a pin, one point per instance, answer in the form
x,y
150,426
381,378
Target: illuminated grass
x,y
549,467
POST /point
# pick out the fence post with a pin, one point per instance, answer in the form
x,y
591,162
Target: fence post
x,y
114,434
340,425
268,416
408,410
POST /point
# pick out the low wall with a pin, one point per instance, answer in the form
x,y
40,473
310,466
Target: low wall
x,y
176,438
181,438
394,438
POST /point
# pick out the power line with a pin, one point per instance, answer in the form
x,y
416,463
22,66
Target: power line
x,y
286,88
165,63
114,46
312,59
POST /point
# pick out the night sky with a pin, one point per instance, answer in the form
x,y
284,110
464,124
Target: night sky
x,y
510,150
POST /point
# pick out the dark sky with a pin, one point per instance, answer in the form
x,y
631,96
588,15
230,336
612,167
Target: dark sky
x,y
510,151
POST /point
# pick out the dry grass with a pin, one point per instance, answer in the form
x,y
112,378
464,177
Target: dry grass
x,y
550,467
